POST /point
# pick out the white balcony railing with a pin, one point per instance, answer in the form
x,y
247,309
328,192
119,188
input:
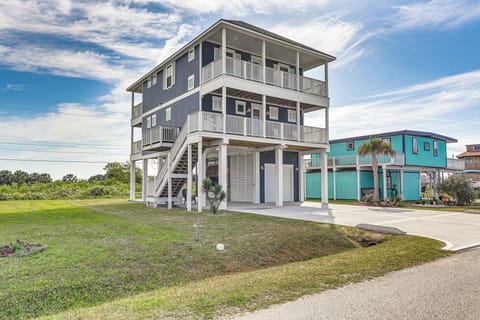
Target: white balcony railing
x,y
159,134
456,164
354,160
213,122
254,72
137,147
137,110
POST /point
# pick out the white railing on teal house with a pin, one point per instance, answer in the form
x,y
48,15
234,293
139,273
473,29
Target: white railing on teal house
x,y
251,71
354,160
456,164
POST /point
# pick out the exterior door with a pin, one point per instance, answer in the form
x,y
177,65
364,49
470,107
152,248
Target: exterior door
x,y
257,123
271,182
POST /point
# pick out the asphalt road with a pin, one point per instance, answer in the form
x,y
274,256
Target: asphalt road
x,y
448,288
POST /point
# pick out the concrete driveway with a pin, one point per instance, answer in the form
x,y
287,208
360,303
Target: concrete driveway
x,y
458,230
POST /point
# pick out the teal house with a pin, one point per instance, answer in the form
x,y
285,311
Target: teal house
x,y
421,157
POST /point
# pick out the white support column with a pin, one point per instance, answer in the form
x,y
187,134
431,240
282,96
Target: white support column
x,y
200,177
222,171
298,121
326,79
301,177
264,60
224,108
401,182
133,100
204,175
327,125
224,51
384,172
324,161
334,183
359,189
279,167
256,171
264,114
169,182
145,180
132,180
298,70
189,178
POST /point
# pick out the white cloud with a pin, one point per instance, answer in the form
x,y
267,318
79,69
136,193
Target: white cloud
x,y
448,106
443,14
14,87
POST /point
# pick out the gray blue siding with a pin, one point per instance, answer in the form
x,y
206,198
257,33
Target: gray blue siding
x,y
179,112
156,95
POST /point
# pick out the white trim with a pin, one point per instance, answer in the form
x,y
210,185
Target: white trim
x,y
292,115
240,103
217,103
270,111
256,106
149,122
154,79
172,66
191,82
168,114
154,120
191,54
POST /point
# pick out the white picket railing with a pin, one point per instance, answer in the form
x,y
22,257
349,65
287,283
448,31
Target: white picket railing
x,y
353,160
251,71
159,134
137,110
137,147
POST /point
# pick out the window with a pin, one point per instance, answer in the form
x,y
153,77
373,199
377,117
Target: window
x,y
240,107
149,83
350,146
468,160
149,122
273,113
435,148
386,140
216,103
426,146
414,145
154,120
154,79
191,54
168,114
292,115
169,76
191,82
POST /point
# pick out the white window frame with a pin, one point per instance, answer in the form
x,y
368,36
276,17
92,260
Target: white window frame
x,y
435,148
350,145
154,79
292,115
258,107
154,120
217,104
165,76
240,103
149,122
168,114
149,83
272,113
191,82
191,54
414,145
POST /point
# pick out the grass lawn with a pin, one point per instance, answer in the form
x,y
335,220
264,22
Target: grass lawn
x,y
133,262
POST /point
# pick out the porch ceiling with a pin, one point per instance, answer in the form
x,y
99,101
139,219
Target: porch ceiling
x,y
241,94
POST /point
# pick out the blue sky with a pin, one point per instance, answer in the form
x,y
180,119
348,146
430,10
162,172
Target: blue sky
x,y
64,67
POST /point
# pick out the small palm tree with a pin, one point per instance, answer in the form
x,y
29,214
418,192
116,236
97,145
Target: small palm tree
x,y
375,147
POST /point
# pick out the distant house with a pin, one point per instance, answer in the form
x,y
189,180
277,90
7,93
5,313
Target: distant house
x,y
230,105
350,176
471,157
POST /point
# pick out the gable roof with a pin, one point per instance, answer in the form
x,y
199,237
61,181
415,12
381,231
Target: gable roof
x,y
136,86
469,154
396,133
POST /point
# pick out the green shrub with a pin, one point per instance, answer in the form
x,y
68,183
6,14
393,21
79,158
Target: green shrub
x,y
368,198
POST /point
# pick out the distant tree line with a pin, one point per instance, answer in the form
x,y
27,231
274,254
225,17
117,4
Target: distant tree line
x,y
21,185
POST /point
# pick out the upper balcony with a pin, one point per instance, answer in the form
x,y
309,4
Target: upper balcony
x,y
137,111
355,160
256,72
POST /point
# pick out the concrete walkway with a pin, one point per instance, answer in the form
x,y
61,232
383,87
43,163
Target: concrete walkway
x,y
448,288
458,230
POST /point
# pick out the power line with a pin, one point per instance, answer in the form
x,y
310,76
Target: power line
x,y
107,113
55,144
53,151
45,160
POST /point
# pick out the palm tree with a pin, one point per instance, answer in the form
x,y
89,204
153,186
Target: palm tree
x,y
375,147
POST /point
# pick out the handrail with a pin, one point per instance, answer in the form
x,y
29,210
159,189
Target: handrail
x,y
353,160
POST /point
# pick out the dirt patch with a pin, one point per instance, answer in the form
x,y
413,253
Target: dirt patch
x,y
21,248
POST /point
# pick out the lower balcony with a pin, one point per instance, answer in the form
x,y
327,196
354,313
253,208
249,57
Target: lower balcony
x,y
159,137
243,126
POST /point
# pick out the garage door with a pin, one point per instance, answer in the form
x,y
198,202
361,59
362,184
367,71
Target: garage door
x,y
271,182
242,178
